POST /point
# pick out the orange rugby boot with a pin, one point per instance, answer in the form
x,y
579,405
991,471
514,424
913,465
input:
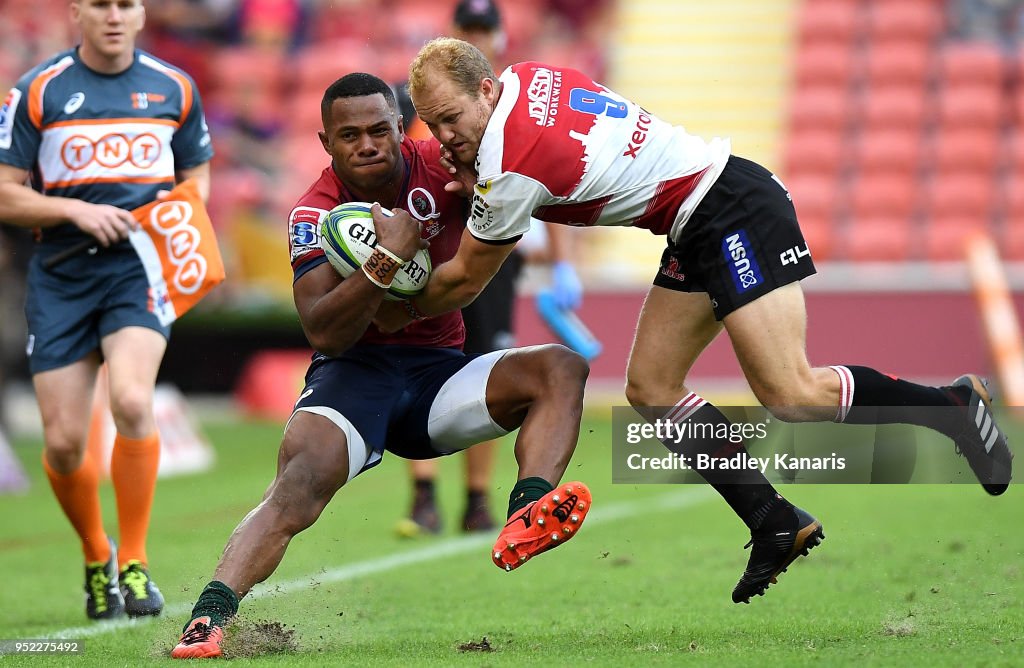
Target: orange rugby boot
x,y
545,523
201,640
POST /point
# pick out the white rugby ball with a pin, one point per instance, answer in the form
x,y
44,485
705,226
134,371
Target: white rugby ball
x,y
348,238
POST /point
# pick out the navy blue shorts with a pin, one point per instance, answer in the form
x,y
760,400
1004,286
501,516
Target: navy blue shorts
x,y
418,403
72,306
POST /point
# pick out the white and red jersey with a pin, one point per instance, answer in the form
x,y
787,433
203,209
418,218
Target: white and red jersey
x,y
565,149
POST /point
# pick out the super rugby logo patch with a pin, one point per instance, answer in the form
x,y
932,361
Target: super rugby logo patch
x,y
746,274
302,230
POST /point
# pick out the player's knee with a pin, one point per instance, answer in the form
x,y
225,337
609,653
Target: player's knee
x,y
644,392
132,409
64,450
788,404
564,369
305,485
295,500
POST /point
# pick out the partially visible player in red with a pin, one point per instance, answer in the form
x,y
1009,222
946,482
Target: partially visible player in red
x,y
413,393
489,319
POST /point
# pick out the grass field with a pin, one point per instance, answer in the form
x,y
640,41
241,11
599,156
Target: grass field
x,y
909,575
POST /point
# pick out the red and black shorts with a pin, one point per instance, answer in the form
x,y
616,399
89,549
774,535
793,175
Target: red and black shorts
x,y
742,241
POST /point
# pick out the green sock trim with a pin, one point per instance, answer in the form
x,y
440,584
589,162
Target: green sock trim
x,y
218,602
525,492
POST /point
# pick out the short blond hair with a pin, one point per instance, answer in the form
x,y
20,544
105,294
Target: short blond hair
x,y
460,61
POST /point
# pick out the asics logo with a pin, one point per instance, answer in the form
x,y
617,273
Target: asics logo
x,y
563,509
74,103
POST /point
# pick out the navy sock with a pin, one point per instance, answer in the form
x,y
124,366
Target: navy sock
x,y
218,602
527,491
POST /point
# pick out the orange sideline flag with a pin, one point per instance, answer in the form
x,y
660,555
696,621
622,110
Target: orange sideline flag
x,y
179,251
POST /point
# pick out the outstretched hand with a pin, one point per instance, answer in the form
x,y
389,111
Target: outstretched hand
x,y
463,176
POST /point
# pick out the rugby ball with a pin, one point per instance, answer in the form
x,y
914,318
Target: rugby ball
x,y
348,238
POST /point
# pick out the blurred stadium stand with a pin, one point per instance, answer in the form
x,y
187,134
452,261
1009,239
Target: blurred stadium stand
x,y
896,124
928,141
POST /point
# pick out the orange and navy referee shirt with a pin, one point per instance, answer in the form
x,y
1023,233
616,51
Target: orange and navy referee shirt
x,y
103,138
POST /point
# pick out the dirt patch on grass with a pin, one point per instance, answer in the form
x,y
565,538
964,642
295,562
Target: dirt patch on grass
x,y
483,646
249,639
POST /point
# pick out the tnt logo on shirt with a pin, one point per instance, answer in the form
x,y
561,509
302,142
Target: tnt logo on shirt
x,y
112,150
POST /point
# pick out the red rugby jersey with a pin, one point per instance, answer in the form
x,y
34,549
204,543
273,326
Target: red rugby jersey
x,y
424,197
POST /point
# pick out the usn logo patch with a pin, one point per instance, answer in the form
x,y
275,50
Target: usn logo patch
x,y
746,274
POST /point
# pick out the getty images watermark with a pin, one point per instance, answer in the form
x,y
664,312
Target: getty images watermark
x,y
658,450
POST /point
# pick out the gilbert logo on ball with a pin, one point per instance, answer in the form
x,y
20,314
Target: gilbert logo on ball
x,y
348,237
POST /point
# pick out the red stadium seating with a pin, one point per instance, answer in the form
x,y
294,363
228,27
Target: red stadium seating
x,y
1018,105
418,21
974,150
303,113
814,197
960,196
829,20
820,237
318,66
883,195
893,108
1013,203
890,152
817,152
971,106
1011,238
523,19
946,237
917,20
880,238
972,63
819,107
824,63
348,20
902,63
1013,155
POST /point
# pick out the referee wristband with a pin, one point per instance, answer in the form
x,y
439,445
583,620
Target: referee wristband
x,y
411,309
399,261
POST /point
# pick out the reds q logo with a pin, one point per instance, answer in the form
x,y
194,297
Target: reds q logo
x,y
423,207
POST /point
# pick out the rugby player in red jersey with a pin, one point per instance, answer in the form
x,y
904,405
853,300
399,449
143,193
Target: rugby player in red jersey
x,y
413,393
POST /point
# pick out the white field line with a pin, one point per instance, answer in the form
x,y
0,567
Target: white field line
x,y
445,548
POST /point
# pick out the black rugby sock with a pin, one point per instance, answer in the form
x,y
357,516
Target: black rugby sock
x,y
747,491
871,397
